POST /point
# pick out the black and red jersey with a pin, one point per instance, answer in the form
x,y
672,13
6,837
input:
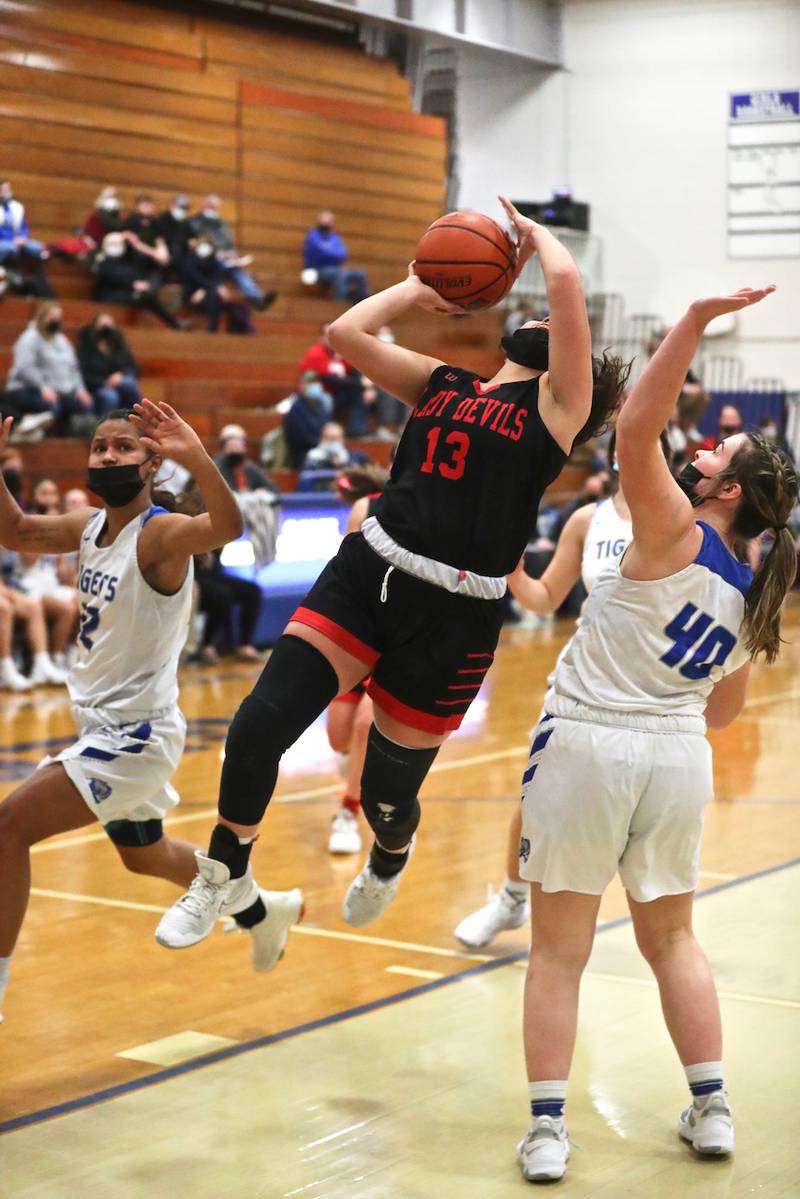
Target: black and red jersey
x,y
470,471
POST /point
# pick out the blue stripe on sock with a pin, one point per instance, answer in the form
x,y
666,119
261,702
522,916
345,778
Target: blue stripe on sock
x,y
706,1088
547,1107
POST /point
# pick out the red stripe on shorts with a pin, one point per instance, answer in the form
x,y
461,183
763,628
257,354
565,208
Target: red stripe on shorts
x,y
424,721
346,641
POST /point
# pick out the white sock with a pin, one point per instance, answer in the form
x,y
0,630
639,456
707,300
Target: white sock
x,y
704,1078
4,967
246,840
516,888
41,659
548,1098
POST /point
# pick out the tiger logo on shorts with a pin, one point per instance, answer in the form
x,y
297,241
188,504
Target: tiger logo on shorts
x,y
524,849
99,789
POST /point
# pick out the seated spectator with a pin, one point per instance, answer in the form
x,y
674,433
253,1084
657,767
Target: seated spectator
x,y
239,471
729,422
176,231
208,223
331,452
76,498
17,247
107,364
45,379
144,237
36,576
120,279
12,469
104,218
325,252
202,275
341,380
219,591
311,409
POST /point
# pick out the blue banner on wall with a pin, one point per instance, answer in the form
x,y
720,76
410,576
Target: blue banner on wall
x,y
753,107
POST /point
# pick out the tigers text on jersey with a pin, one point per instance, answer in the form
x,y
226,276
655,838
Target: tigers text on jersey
x,y
130,636
656,647
606,540
470,470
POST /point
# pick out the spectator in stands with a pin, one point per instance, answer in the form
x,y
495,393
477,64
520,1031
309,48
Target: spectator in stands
x,y
45,378
341,380
239,471
121,280
331,452
144,237
76,498
13,474
17,248
311,409
202,275
109,368
104,218
390,413
176,231
208,223
219,591
325,252
729,422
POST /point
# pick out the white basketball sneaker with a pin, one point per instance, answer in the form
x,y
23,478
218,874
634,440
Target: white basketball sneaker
x,y
345,835
709,1129
368,896
11,678
213,893
268,939
503,911
45,673
544,1153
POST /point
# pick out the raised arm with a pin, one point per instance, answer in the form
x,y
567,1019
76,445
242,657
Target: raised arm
x,y
403,373
570,345
36,534
548,593
662,515
168,541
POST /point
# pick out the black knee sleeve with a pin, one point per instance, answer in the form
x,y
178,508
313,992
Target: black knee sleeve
x,y
297,683
391,779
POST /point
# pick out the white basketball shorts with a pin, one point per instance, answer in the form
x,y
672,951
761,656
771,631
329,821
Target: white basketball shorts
x,y
123,771
599,798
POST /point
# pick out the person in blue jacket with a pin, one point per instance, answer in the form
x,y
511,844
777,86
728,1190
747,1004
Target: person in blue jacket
x,y
325,252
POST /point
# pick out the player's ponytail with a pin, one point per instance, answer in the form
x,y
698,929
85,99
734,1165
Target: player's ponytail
x,y
769,493
609,379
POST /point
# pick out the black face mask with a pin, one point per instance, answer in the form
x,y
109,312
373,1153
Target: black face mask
x,y
687,479
115,485
527,347
324,228
235,459
53,326
13,481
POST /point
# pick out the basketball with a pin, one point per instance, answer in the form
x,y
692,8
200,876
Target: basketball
x,y
467,258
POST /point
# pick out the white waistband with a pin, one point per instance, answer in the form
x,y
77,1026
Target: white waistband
x,y
645,722
460,582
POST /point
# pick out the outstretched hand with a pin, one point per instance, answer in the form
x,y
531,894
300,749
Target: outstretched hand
x,y
5,433
428,298
525,229
707,309
165,433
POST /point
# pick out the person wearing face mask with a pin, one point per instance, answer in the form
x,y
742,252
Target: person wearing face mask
x,y
84,243
109,368
203,287
330,455
312,408
325,252
175,229
135,584
15,238
120,279
209,223
729,423
45,379
239,471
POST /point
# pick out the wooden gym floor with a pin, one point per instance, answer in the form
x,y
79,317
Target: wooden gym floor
x,y
386,1062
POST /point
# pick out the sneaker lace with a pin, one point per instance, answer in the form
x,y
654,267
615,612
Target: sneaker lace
x,y
200,894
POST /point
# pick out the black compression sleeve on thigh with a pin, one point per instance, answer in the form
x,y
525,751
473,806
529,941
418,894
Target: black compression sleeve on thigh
x,y
391,779
297,683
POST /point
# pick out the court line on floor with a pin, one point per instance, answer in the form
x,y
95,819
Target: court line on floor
x,y
301,929
291,797
744,997
138,1084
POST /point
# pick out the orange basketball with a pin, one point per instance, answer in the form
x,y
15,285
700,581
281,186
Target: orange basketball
x,y
468,258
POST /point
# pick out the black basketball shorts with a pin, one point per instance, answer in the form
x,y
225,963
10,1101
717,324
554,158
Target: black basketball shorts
x,y
426,649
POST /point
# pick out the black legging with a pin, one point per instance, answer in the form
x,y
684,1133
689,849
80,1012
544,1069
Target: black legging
x,y
218,593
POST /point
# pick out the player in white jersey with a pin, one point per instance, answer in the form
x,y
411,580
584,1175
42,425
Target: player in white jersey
x,y
594,538
134,582
620,770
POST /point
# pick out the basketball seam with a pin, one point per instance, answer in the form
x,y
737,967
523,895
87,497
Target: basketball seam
x,y
504,270
475,233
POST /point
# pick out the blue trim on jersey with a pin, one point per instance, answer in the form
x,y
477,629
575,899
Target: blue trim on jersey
x,y
142,733
101,755
717,558
155,510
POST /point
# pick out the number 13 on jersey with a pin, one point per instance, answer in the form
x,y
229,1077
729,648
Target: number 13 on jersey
x,y
452,459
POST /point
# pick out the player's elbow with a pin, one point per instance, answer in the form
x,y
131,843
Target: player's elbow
x,y
337,332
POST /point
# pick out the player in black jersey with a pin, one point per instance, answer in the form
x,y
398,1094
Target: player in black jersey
x,y
415,599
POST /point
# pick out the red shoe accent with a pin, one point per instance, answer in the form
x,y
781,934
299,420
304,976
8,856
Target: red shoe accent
x,y
351,805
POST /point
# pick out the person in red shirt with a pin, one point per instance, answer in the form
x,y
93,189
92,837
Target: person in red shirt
x,y
341,380
729,423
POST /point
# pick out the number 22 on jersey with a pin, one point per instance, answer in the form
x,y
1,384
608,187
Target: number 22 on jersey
x,y
452,459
